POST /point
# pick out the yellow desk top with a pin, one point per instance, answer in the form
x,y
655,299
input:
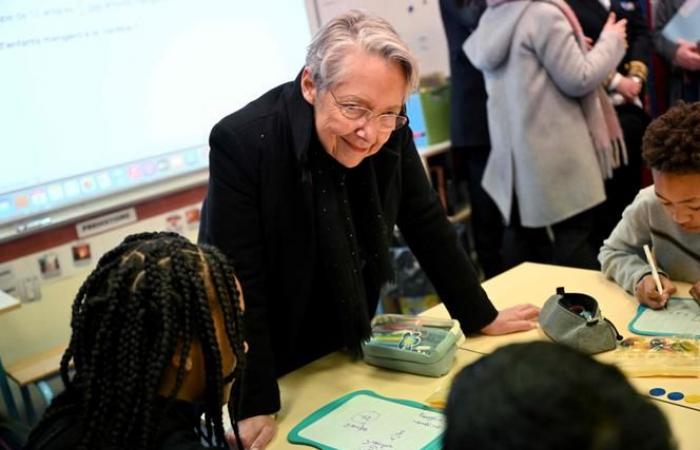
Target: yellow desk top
x,y
8,303
335,375
316,384
535,283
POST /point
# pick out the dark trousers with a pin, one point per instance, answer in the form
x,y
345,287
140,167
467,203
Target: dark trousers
x,y
567,243
486,221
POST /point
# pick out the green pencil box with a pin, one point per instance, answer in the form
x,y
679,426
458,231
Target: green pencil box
x,y
414,344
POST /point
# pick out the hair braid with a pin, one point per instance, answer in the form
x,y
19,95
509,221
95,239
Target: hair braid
x,y
212,359
223,277
144,304
76,349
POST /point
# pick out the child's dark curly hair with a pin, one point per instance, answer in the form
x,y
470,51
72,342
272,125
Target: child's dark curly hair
x,y
672,141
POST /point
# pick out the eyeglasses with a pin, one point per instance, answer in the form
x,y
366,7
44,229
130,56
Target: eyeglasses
x,y
386,122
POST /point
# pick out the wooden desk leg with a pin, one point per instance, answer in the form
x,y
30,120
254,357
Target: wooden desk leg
x,y
28,406
7,394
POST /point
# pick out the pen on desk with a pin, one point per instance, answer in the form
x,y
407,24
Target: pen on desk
x,y
654,271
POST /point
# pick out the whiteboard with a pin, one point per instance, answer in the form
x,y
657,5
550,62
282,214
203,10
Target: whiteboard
x,y
110,103
364,420
418,22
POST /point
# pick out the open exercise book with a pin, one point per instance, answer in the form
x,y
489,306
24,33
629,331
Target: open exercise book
x,y
681,318
364,420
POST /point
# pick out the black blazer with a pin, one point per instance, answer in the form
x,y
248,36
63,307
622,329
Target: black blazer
x,y
259,212
593,16
468,121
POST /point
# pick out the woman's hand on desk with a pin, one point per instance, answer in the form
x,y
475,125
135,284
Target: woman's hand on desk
x,y
256,432
647,293
516,318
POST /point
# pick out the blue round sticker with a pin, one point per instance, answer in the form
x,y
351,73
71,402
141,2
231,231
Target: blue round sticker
x,y
656,392
675,396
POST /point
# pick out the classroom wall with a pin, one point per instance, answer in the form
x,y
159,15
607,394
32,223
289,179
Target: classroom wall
x,y
41,324
418,23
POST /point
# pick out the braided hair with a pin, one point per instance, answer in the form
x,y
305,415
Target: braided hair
x,y
148,298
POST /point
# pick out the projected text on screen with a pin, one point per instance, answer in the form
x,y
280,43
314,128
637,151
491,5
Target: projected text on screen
x,y
100,97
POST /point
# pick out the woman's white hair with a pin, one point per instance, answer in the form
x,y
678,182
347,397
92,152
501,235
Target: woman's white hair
x,y
351,30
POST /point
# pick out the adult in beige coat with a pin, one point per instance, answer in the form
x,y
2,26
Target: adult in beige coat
x,y
543,172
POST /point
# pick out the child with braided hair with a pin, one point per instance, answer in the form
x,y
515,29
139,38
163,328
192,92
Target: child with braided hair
x,y
156,343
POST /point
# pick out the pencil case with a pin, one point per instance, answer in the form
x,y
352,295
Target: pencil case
x,y
660,356
414,344
574,319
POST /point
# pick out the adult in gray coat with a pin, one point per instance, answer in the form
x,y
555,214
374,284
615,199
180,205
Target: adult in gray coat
x,y
544,172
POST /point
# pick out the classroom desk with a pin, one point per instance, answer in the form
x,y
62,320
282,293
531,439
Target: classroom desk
x,y
8,303
312,386
535,283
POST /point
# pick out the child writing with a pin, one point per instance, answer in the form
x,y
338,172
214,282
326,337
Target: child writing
x,y
665,216
156,342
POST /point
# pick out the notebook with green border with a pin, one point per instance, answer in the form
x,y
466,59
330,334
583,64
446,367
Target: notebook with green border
x,y
680,318
365,420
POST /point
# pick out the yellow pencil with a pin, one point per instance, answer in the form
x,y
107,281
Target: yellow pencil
x,y
654,270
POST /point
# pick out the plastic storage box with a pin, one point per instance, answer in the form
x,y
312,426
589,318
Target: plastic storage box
x,y
415,344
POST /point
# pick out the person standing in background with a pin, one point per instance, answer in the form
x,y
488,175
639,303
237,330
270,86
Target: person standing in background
x,y
682,56
554,135
625,87
469,131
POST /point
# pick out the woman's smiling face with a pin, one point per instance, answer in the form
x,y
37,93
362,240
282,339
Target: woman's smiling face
x,y
369,82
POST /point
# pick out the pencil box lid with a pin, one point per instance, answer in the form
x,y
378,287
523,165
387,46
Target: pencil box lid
x,y
414,344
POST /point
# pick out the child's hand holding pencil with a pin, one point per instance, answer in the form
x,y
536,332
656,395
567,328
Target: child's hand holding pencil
x,y
654,289
695,292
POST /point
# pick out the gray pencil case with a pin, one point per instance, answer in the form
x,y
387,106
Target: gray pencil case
x,y
414,344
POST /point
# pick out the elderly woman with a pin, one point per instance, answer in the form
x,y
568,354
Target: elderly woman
x,y
307,183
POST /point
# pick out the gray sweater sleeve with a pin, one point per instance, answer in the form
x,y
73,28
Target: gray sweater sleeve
x,y
575,72
622,255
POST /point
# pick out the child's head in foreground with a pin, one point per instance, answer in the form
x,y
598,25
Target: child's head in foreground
x,y
158,320
671,148
545,396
